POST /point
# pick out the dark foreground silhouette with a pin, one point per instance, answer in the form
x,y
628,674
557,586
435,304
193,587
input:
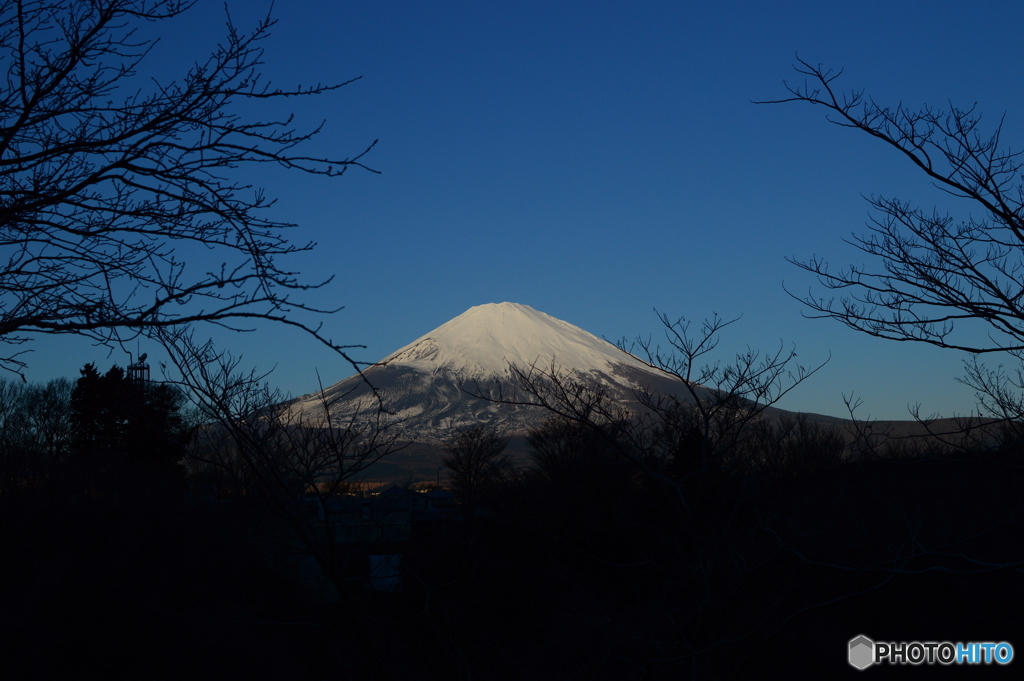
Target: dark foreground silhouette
x,y
584,566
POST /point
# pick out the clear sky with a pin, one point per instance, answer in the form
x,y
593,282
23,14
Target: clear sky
x,y
597,160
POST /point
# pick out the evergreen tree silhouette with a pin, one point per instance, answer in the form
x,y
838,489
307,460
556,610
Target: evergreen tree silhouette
x,y
128,436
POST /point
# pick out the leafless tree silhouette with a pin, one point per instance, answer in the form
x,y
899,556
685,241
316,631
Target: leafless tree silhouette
x,y
265,443
703,466
936,277
475,458
678,438
109,180
291,462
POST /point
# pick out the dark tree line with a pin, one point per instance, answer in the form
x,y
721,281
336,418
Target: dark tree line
x,y
626,548
35,437
129,435
661,562
101,436
712,537
105,539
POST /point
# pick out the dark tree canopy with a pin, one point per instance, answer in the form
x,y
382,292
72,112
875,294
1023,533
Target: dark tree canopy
x,y
108,177
35,435
475,458
126,433
931,277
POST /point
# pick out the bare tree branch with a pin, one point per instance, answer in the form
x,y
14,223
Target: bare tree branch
x,y
108,185
936,279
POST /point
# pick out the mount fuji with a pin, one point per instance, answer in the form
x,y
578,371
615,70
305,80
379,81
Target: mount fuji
x,y
428,384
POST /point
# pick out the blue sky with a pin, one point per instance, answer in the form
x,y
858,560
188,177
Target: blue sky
x,y
597,160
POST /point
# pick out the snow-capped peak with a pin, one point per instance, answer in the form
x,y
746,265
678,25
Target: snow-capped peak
x,y
424,384
485,339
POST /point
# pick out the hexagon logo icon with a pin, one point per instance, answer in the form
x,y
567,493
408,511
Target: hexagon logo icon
x,y
862,652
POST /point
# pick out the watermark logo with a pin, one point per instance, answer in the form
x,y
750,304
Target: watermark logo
x,y
863,652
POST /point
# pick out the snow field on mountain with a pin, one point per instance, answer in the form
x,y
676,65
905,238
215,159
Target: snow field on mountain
x,y
485,339
431,385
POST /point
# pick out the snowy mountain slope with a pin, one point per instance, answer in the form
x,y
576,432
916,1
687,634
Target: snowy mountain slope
x,y
483,341
428,383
